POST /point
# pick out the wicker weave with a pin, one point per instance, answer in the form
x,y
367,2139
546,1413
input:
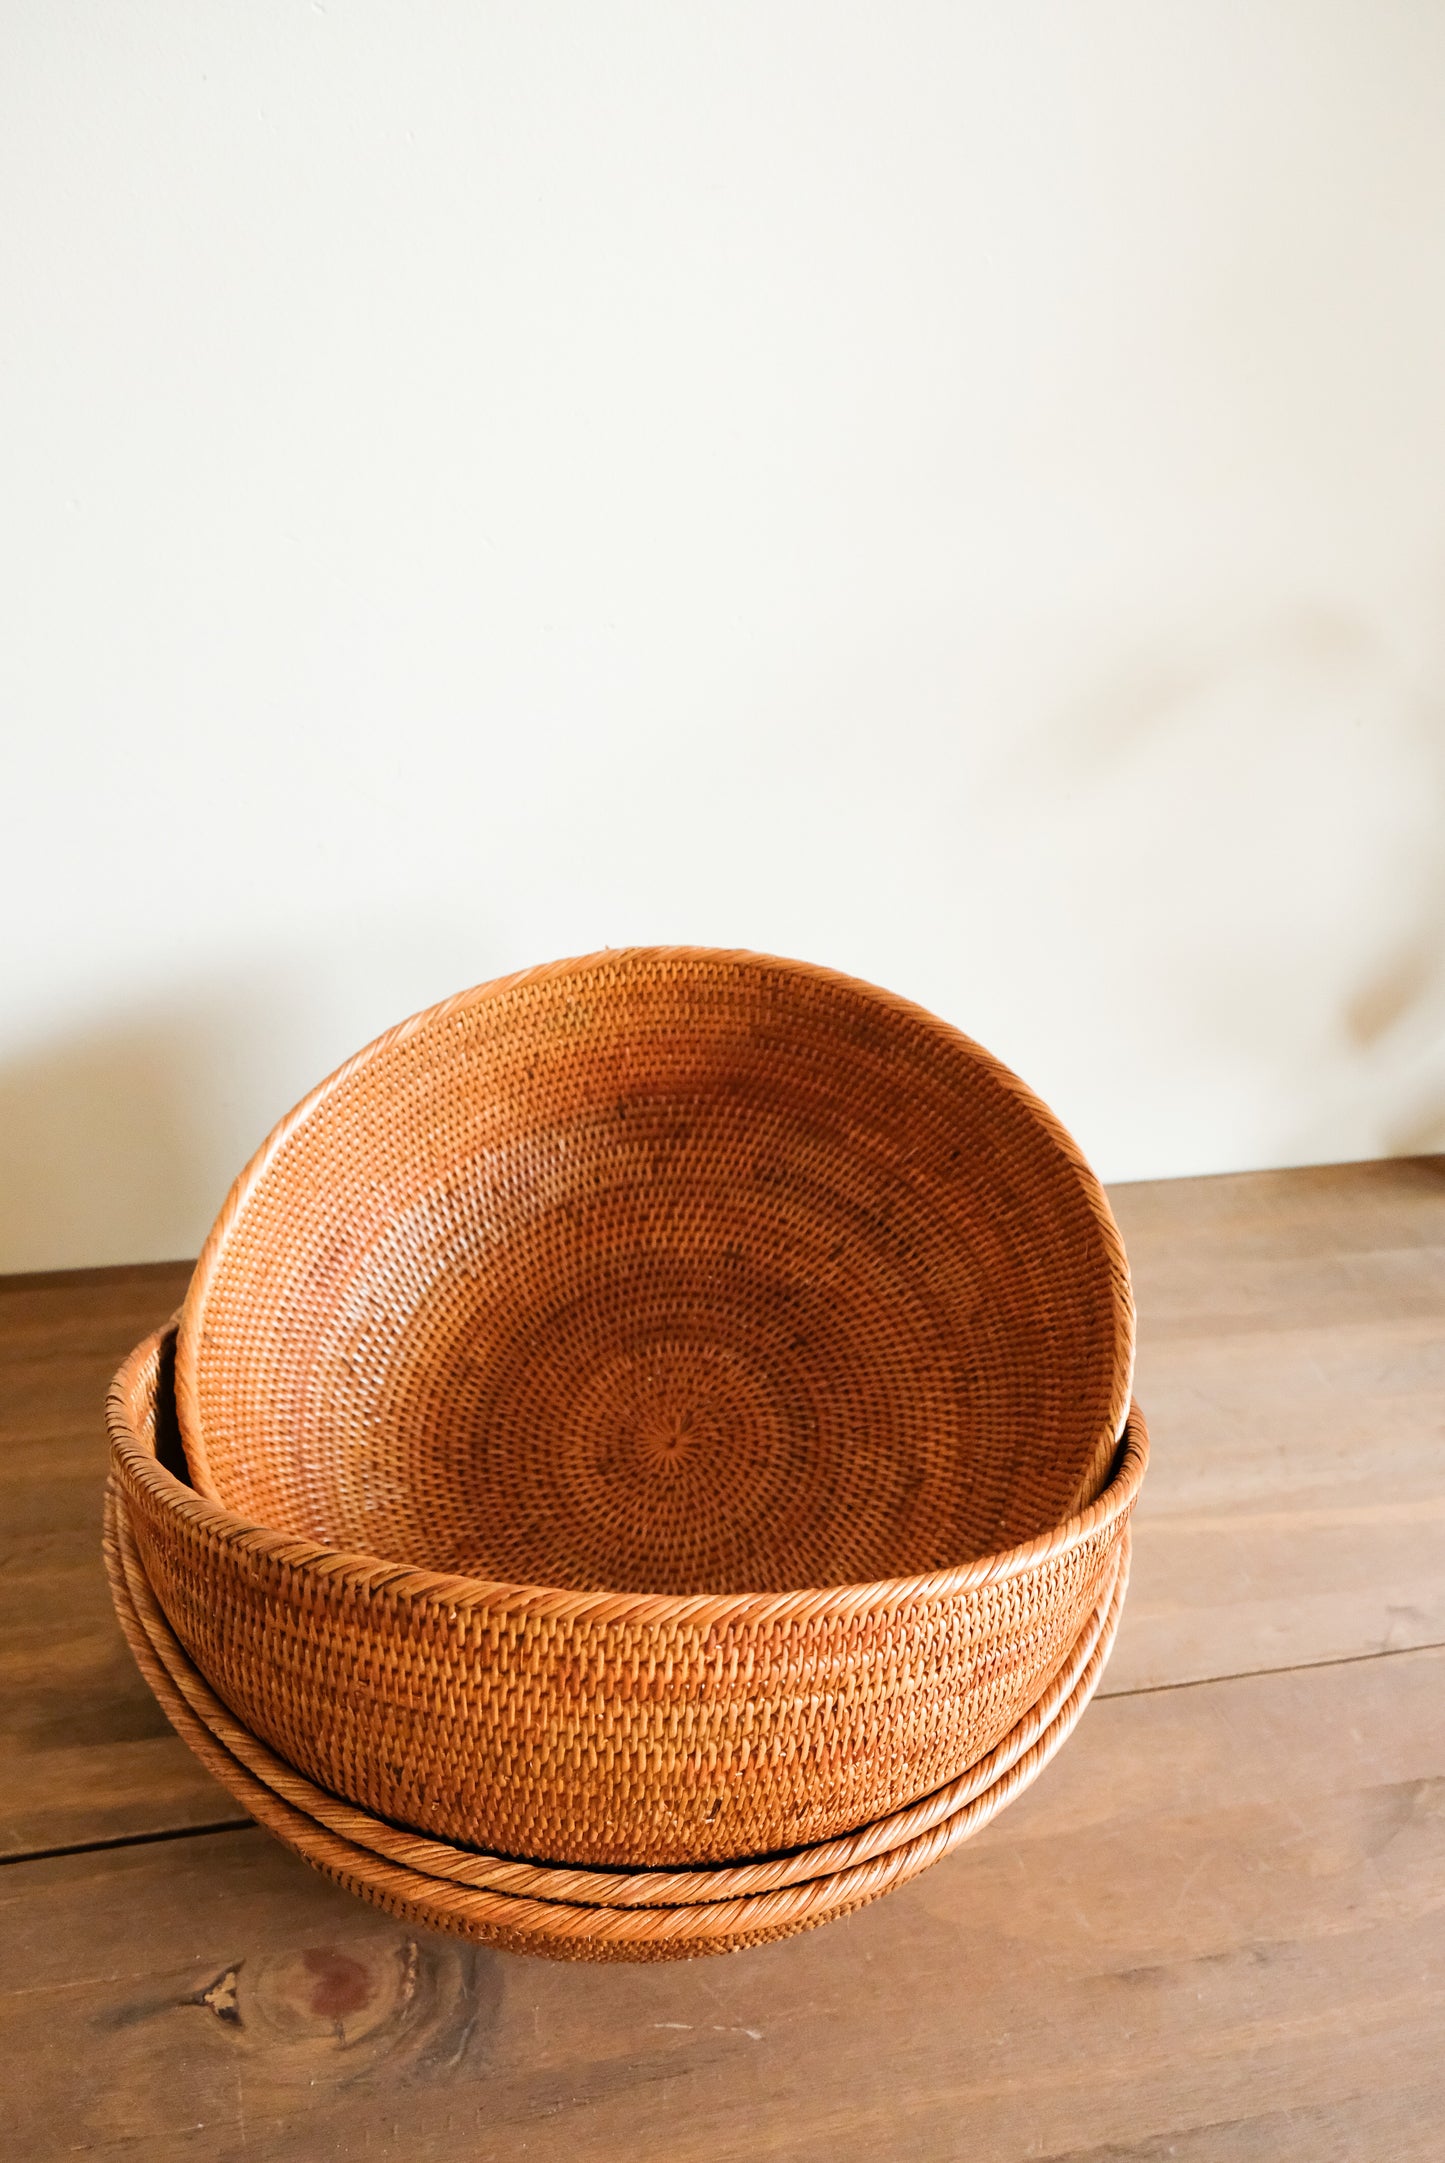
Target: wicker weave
x,y
665,1272
596,1888
416,1891
632,1290
605,1729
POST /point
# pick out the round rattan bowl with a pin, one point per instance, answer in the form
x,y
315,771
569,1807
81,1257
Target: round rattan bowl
x,y
604,1729
583,1915
683,1347
662,1272
591,1887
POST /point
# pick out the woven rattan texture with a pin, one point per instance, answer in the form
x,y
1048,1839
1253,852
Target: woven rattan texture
x,y
595,1888
608,1730
554,1928
662,1271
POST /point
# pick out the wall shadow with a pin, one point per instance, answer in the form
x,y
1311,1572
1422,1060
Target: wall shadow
x,y
112,1137
119,1138
1279,787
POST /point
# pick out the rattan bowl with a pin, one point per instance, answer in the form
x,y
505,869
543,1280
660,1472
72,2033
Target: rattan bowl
x,y
729,1726
682,1348
662,1272
589,1915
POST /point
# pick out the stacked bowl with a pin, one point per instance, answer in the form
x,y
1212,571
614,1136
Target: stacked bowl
x,y
646,1459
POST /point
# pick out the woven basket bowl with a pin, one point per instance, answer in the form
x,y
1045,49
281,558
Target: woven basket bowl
x,y
412,1695
591,1887
705,1314
445,1888
663,1272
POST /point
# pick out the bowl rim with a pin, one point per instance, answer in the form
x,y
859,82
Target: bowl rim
x,y
138,1464
243,1187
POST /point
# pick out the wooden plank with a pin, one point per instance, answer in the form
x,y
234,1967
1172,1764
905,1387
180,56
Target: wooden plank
x,y
85,1754
1292,1363
1212,1931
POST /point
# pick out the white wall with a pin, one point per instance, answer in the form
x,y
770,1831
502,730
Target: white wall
x,y
955,491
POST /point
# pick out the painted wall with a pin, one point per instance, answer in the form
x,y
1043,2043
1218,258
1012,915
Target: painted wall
x,y
953,491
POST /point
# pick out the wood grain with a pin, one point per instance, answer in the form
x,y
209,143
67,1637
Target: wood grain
x,y
1292,1362
1213,1930
85,1754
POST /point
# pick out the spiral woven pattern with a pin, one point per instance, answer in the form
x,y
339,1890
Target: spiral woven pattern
x,y
419,1883
662,1271
604,1729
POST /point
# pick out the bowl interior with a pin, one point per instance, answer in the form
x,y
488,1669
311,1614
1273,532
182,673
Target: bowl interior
x,y
662,1272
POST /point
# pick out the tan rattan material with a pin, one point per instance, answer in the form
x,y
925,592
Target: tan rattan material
x,y
595,1888
662,1271
562,1930
607,1728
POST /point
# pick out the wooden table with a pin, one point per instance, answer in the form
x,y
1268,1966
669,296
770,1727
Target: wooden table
x,y
1213,1930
